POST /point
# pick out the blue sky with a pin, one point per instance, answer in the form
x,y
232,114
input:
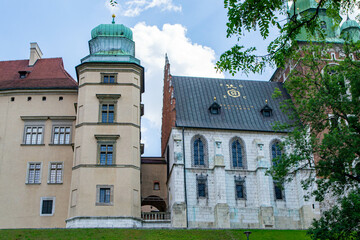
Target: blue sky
x,y
193,33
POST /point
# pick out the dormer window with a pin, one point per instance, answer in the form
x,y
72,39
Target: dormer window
x,y
266,111
23,74
215,107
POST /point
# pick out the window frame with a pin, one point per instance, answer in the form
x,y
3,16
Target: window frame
x,y
243,153
281,188
61,124
107,144
202,179
33,124
28,173
42,199
106,140
62,173
240,181
205,152
108,112
276,142
111,197
103,75
107,99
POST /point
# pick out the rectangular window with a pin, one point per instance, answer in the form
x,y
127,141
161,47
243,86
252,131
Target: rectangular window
x,y
201,185
107,107
201,189
106,154
34,173
279,194
61,135
104,195
33,135
106,149
107,113
108,77
47,206
240,189
55,173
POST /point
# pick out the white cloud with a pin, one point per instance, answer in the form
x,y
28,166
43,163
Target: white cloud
x,y
186,58
133,8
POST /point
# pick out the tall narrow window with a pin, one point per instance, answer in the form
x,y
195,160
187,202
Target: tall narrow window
x,y
107,113
237,154
107,108
240,189
56,173
61,135
33,135
106,154
275,151
106,149
34,173
201,186
199,152
278,191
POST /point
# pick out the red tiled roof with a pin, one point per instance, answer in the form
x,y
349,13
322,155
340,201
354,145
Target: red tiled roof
x,y
46,73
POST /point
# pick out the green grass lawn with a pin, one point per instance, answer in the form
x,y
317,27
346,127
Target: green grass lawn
x,y
151,234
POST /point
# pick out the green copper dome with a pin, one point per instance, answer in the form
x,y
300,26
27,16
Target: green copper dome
x,y
111,30
111,43
349,24
303,5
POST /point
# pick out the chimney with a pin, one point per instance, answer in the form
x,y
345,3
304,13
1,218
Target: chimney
x,y
35,53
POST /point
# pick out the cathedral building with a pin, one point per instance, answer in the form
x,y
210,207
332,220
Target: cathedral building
x,y
218,141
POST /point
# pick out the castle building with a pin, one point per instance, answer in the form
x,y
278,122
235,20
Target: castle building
x,y
218,141
70,151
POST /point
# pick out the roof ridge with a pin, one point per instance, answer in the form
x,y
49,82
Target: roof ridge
x,y
221,78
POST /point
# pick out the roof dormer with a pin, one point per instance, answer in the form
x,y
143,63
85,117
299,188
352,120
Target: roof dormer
x,y
266,111
215,107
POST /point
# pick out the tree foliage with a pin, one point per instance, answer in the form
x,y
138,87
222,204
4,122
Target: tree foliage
x,y
252,15
341,222
325,141
326,134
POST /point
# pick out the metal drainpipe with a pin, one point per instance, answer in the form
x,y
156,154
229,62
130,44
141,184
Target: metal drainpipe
x,y
187,221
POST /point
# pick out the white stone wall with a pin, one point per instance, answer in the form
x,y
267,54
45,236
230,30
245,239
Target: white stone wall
x,y
103,222
221,183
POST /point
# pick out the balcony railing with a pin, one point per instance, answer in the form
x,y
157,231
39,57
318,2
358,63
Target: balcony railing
x,y
155,216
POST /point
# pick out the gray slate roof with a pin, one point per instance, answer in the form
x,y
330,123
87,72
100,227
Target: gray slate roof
x,y
240,107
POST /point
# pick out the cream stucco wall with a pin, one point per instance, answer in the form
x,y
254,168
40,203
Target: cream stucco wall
x,y
124,174
20,202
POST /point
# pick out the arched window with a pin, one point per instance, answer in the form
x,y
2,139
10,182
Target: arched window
x,y
199,152
237,153
275,150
